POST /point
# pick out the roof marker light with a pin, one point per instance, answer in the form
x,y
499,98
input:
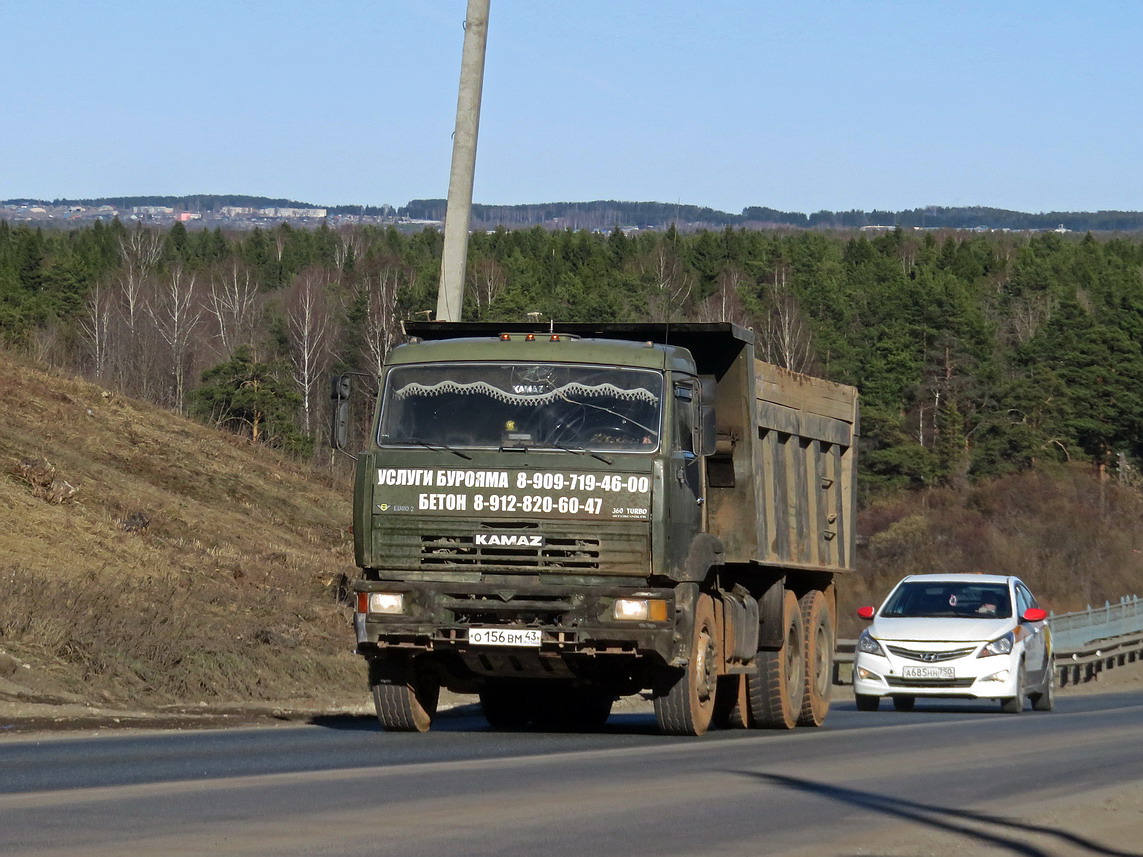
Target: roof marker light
x,y
531,337
555,337
505,337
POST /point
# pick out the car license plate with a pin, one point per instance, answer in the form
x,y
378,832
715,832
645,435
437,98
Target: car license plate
x,y
527,637
928,672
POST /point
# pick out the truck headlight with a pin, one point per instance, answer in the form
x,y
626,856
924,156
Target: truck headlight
x,y
641,609
381,602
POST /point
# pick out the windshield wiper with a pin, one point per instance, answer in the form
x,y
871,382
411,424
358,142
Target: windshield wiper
x,y
547,444
582,451
438,446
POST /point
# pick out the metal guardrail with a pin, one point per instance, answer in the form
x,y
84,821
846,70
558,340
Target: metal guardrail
x,y
1075,665
1074,630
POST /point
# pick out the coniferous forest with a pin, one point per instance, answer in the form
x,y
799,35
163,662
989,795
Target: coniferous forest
x,y
977,354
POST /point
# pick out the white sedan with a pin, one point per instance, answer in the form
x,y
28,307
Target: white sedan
x,y
979,636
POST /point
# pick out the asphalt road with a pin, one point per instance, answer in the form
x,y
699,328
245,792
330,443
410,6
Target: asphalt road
x,y
343,787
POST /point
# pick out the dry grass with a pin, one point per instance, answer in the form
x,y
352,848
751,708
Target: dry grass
x,y
183,564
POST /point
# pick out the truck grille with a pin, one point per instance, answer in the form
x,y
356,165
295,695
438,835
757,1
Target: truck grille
x,y
574,547
556,553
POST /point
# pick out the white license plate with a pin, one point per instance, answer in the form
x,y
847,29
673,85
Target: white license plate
x,y
928,672
528,637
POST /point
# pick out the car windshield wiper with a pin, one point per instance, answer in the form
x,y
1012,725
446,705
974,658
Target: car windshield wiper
x,y
436,447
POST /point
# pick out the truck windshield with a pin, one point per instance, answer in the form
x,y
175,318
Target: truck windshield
x,y
522,406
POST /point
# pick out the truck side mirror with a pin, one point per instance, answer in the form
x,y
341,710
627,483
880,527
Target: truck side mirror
x,y
339,411
706,440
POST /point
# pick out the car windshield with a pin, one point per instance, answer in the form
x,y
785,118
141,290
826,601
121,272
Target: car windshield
x,y
522,406
945,598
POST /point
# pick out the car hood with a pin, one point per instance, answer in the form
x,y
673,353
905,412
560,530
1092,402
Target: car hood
x,y
941,630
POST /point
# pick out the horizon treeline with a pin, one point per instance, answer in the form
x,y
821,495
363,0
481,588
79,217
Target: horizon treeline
x,y
976,354
608,214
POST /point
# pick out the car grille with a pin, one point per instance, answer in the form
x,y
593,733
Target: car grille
x,y
931,657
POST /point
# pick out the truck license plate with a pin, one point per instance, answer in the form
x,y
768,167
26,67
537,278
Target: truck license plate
x,y
928,672
527,637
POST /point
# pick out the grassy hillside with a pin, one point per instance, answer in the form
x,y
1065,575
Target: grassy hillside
x,y
147,559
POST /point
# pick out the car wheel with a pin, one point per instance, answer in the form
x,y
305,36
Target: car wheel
x,y
865,702
1045,698
1015,704
904,703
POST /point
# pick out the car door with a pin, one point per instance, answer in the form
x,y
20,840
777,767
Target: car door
x,y
1037,652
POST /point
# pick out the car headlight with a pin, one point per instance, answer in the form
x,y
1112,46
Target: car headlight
x,y
866,643
999,646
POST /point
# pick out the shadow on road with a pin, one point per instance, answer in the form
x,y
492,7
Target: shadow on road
x,y
1002,833
468,718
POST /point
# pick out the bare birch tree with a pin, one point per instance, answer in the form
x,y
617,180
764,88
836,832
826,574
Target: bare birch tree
x,y
382,285
671,284
351,244
725,304
233,303
140,251
785,333
176,314
487,278
311,325
96,327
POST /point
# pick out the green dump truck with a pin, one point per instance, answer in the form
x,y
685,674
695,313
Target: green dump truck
x,y
554,516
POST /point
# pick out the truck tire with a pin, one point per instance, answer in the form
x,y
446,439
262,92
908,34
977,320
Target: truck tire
x,y
817,619
732,704
777,684
407,706
504,708
687,708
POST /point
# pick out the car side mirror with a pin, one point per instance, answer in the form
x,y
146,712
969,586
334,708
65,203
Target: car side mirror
x,y
866,612
1034,614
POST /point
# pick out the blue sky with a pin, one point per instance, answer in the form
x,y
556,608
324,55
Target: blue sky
x,y
800,106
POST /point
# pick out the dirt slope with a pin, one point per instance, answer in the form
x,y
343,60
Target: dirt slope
x,y
146,559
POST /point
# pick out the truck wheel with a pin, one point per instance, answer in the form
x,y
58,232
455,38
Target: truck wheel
x,y
732,704
817,619
688,706
504,709
778,682
408,706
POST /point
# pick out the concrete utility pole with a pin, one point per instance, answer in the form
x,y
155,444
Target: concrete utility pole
x,y
450,295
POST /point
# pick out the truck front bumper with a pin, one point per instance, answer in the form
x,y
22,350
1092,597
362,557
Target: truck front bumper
x,y
570,620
